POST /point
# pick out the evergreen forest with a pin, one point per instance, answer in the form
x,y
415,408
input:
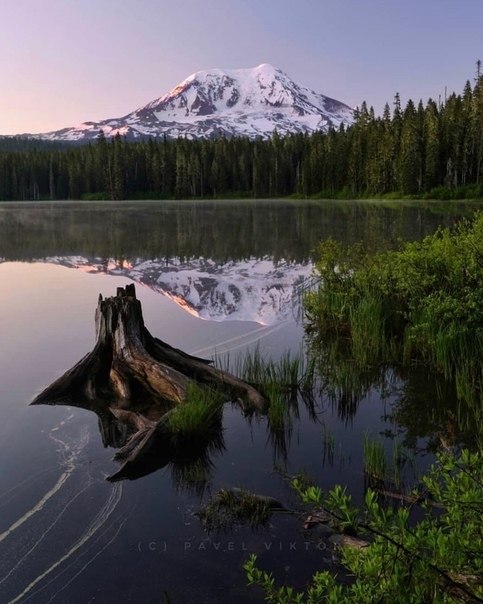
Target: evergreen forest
x,y
427,151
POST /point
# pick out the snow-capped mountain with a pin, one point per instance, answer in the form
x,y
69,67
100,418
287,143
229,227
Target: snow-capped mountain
x,y
240,102
254,289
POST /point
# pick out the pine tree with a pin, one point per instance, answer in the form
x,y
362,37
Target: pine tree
x,y
432,151
410,152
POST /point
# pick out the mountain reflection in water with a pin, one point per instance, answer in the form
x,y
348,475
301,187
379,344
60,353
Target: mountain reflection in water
x,y
247,290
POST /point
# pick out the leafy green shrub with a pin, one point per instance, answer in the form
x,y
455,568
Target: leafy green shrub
x,y
471,191
438,559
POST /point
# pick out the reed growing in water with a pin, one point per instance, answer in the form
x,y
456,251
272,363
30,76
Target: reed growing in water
x,y
289,372
374,459
386,471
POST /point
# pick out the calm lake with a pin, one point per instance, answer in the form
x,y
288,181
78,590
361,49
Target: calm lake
x,y
214,278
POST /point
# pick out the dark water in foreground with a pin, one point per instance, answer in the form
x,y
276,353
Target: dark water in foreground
x,y
213,278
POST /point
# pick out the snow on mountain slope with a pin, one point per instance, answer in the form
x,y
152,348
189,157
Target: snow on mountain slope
x,y
238,102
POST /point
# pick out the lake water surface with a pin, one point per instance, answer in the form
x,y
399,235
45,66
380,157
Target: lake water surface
x,y
214,278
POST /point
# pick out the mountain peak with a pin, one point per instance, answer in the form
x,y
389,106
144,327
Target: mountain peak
x,y
268,70
263,69
251,102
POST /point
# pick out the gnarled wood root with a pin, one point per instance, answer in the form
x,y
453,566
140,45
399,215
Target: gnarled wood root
x,y
137,377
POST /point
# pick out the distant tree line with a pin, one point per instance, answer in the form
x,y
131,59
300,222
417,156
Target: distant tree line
x,y
434,149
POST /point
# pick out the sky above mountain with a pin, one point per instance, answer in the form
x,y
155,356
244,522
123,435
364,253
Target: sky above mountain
x,y
66,61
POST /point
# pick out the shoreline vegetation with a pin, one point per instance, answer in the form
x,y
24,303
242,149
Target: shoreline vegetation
x,y
391,199
420,304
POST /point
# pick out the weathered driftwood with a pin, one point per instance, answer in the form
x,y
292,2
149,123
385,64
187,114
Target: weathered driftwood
x,y
130,369
350,541
138,378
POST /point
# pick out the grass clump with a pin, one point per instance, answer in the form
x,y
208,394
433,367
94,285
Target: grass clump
x,y
423,302
198,415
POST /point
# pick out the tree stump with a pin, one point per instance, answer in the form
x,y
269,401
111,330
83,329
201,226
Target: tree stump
x,y
138,378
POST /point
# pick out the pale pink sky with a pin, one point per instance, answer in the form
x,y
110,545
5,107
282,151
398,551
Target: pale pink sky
x,y
67,61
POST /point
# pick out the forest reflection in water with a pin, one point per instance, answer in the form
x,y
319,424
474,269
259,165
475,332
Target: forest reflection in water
x,y
218,230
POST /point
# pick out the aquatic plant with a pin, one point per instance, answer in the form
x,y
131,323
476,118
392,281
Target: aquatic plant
x,y
284,383
230,507
401,459
288,372
328,447
374,459
382,470
278,411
